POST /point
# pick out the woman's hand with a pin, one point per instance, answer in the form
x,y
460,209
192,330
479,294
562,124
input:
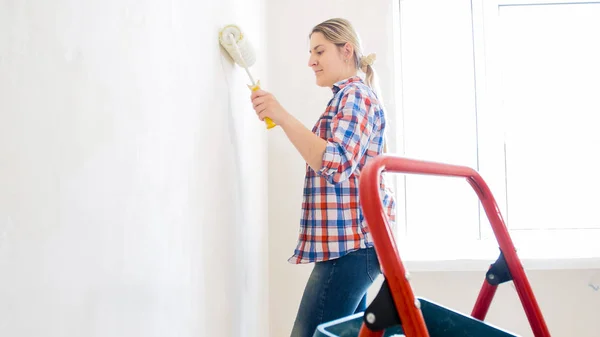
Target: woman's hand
x,y
265,105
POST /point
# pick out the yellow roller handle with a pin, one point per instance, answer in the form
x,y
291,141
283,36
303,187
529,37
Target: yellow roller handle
x,y
270,124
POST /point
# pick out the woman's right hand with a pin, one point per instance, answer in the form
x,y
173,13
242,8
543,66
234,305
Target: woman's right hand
x,y
266,105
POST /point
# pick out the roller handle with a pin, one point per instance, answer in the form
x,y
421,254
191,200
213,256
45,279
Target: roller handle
x,y
270,124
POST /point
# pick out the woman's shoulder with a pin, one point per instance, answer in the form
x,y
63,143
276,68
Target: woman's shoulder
x,y
356,85
360,90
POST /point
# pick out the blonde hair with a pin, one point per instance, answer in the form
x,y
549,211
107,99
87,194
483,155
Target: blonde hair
x,y
339,32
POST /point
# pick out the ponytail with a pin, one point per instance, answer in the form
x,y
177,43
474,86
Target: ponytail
x,y
366,65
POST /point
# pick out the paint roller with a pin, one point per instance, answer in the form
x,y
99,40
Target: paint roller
x,y
242,53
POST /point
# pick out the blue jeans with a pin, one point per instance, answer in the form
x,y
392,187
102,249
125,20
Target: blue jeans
x,y
335,289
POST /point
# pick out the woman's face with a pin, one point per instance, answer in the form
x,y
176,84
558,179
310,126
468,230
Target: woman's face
x,y
329,62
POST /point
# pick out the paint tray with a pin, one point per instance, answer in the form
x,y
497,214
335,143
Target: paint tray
x,y
440,321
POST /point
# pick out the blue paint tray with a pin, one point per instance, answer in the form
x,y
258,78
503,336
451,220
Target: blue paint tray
x,y
440,321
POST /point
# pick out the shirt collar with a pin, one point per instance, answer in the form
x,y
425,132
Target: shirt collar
x,y
343,83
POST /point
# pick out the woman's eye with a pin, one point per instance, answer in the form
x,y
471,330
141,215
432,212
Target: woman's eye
x,y
320,52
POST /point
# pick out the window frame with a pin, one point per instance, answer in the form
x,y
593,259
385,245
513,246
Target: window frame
x,y
539,245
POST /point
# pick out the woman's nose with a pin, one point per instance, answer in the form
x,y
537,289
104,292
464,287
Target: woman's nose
x,y
311,61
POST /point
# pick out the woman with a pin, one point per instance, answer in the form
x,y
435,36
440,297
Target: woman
x,y
333,233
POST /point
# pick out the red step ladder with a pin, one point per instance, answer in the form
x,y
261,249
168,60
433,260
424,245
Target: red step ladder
x,y
392,268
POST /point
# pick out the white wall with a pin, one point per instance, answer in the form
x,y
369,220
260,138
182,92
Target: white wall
x,y
130,159
568,301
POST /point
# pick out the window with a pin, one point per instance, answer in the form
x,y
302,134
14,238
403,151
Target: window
x,y
512,89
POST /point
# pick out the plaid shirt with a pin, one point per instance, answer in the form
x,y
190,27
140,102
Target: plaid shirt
x,y
332,223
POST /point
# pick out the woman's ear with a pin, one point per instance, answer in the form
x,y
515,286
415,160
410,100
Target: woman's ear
x,y
348,50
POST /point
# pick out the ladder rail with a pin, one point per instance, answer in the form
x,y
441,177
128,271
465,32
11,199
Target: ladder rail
x,y
387,251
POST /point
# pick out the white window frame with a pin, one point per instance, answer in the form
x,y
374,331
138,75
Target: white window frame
x,y
538,249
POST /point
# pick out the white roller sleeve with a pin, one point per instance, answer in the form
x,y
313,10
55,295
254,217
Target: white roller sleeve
x,y
244,53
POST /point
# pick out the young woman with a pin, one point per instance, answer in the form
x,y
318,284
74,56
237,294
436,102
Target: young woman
x,y
333,232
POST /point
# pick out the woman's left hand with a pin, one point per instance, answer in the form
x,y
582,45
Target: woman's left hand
x,y
265,105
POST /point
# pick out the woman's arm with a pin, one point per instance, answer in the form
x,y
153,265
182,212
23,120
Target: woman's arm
x,y
335,158
310,146
351,133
